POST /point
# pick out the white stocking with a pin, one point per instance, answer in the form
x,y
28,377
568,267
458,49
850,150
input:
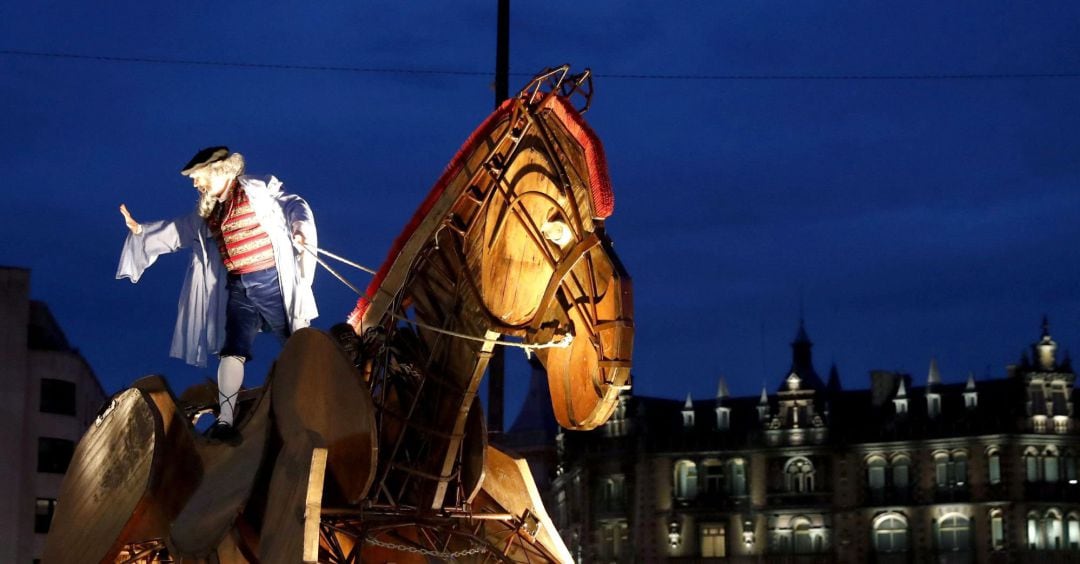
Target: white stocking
x,y
230,376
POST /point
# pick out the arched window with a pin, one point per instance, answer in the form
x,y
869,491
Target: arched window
x,y
1054,533
993,465
941,469
958,468
1031,463
800,529
1050,465
799,475
900,466
875,473
1072,531
737,476
954,533
890,533
685,479
997,529
1034,532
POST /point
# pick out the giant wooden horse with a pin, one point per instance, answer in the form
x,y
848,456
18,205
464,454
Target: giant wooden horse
x,y
370,445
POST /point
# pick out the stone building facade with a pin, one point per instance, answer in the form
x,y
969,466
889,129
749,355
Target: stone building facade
x,y
980,471
48,397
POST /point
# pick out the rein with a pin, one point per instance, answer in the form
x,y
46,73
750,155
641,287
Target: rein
x,y
561,342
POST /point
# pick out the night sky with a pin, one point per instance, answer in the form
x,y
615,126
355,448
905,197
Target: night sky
x,y
907,214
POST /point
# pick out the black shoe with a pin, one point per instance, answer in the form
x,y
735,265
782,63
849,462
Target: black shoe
x,y
224,432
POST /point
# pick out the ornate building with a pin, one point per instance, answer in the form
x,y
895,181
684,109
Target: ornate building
x,y
980,471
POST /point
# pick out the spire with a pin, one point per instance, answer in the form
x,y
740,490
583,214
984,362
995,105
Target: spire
x,y
1045,327
1046,348
834,380
689,402
970,386
688,412
971,397
764,397
933,377
802,362
722,392
901,392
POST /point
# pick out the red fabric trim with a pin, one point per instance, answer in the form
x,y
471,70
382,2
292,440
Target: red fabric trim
x,y
448,174
603,199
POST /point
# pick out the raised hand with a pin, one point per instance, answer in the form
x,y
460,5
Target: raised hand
x,y
130,221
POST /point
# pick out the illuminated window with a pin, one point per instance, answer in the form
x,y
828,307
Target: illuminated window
x,y
954,533
950,469
1053,526
997,529
900,466
1034,532
43,514
723,418
799,475
1050,465
993,466
737,475
801,532
891,533
685,479
1031,463
875,473
1073,531
713,543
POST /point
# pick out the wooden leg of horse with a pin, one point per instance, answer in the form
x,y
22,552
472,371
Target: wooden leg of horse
x,y
290,531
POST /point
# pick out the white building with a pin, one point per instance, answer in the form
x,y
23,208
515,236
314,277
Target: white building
x,y
48,397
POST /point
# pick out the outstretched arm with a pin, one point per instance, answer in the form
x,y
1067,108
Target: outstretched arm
x,y
146,242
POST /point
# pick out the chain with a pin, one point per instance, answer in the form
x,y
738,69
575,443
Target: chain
x,y
425,551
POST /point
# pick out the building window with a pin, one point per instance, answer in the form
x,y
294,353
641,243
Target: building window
x,y
1053,525
714,477
612,540
43,514
737,474
1069,461
54,455
612,492
1073,531
933,405
900,466
685,479
723,418
950,469
713,543
875,473
57,396
997,530
1031,463
799,475
890,533
1050,465
954,533
993,466
1034,532
801,533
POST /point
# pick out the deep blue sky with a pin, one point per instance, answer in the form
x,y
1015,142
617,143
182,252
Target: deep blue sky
x,y
912,218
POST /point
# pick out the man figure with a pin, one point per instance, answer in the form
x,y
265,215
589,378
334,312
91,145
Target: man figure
x,y
248,271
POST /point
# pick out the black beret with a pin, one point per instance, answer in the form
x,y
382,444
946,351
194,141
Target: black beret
x,y
203,158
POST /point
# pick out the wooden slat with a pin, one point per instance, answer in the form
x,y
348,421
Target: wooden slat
x,y
293,502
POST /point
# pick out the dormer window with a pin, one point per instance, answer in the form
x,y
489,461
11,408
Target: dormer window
x,y
971,400
933,405
793,381
723,418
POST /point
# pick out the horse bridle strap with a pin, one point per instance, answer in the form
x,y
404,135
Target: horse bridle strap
x,y
565,265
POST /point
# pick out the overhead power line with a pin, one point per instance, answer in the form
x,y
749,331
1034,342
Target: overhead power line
x,y
462,72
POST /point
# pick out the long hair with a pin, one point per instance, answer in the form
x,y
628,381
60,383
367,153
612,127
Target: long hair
x,y
231,167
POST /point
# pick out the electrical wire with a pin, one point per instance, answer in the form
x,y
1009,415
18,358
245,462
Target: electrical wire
x,y
622,76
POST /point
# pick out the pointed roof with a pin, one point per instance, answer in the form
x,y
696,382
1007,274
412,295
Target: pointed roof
x,y
689,403
933,376
1045,327
901,392
765,396
722,391
801,337
970,386
834,380
802,361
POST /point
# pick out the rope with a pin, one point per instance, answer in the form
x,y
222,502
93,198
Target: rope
x,y
561,341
